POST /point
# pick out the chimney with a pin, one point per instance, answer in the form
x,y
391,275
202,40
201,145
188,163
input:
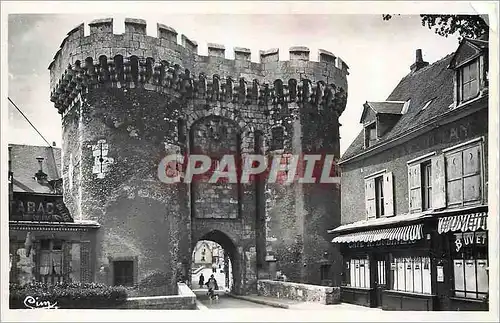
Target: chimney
x,y
40,176
53,144
419,62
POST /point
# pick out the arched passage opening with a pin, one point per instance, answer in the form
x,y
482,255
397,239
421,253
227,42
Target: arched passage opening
x,y
215,253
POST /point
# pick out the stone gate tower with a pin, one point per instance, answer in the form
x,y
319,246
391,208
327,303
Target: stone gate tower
x,y
128,100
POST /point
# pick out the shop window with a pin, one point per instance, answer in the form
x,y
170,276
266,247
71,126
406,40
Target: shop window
x,y
123,272
381,279
379,196
358,273
411,274
470,264
50,264
463,176
469,81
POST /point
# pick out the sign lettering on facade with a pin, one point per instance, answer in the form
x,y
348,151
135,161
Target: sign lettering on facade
x,y
469,239
43,208
379,243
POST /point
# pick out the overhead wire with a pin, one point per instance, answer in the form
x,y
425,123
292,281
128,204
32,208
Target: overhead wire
x,y
33,126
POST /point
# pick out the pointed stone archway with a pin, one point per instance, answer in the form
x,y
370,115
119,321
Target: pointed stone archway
x,y
233,253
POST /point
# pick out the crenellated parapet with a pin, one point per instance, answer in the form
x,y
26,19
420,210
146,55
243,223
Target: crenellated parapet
x,y
135,60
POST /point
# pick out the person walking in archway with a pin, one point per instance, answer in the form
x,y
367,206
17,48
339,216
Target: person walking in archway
x,y
212,287
201,281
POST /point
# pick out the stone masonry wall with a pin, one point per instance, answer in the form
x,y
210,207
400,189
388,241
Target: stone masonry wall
x,y
301,292
129,100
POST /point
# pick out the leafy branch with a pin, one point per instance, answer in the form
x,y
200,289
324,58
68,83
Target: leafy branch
x,y
468,26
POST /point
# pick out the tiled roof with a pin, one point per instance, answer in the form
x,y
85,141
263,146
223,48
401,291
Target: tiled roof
x,y
393,107
24,166
433,82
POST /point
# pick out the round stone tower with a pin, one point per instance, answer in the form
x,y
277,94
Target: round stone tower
x,y
129,100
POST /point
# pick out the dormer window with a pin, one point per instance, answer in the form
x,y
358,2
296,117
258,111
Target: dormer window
x,y
378,118
469,81
470,62
370,134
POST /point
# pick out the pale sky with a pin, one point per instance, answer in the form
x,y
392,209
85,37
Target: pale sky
x,y
379,53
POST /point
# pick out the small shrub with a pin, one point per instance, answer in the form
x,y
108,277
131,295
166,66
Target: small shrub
x,y
68,295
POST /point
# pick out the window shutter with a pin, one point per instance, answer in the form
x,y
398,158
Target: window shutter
x,y
438,182
388,195
414,188
371,211
472,175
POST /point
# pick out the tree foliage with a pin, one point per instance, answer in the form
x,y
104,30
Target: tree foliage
x,y
468,26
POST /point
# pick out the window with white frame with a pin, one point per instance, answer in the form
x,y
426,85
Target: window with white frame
x,y
469,81
379,200
426,185
470,264
411,274
420,183
357,273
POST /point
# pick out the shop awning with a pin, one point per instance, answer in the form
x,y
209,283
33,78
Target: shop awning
x,y
463,222
406,233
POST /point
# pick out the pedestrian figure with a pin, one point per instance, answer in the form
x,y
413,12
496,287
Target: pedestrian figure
x,y
201,282
214,268
212,287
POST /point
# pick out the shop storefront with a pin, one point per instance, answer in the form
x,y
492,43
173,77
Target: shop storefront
x,y
462,243
388,268
46,243
439,263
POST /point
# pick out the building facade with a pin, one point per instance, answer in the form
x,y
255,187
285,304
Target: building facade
x,y
419,238
45,243
206,253
129,100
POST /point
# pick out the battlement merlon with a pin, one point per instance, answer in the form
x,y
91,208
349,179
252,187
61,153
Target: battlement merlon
x,y
104,52
102,41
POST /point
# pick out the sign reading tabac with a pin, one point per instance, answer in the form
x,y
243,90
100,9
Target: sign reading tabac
x,y
39,208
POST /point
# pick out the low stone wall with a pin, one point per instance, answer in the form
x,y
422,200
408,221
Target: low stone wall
x,y
300,292
184,300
